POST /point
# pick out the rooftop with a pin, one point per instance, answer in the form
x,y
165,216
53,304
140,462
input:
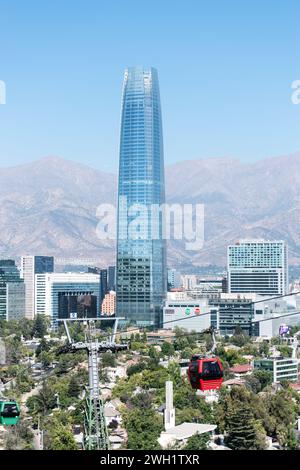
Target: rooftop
x,y
241,369
232,382
187,430
295,386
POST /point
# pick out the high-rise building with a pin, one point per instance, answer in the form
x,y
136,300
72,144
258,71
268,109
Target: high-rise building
x,y
111,281
234,311
30,266
109,304
12,291
141,253
103,283
188,281
174,279
258,266
67,295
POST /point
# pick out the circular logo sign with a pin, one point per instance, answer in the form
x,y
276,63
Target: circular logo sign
x,y
187,311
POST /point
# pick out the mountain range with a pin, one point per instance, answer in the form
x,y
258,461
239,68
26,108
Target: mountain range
x,y
49,207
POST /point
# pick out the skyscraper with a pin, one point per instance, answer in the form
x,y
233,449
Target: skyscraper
x,y
141,256
30,266
12,291
111,282
258,266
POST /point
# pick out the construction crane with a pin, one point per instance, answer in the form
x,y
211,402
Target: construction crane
x,y
95,430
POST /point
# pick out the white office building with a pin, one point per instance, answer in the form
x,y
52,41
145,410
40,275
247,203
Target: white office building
x,y
67,295
188,281
281,368
30,266
258,266
174,279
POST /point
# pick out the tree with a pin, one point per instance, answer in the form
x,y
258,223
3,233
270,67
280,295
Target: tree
x,y
242,430
167,349
46,358
74,387
285,350
136,368
44,346
108,360
61,438
264,349
40,326
143,428
289,439
142,400
259,380
198,442
282,408
240,339
44,401
253,384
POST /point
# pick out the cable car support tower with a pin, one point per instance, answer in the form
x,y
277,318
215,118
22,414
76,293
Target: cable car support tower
x,y
95,430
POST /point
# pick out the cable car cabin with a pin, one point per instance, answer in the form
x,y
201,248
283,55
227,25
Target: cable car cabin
x,y
205,373
9,413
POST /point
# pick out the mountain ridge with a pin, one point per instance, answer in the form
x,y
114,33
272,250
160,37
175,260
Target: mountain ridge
x,y
49,206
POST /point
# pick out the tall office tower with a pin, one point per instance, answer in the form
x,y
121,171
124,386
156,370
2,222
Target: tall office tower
x,y
258,266
30,266
141,252
103,283
111,282
12,291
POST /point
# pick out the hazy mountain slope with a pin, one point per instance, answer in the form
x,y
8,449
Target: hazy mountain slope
x,y
49,206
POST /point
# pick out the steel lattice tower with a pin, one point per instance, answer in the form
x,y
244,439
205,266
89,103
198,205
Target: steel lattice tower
x,y
95,430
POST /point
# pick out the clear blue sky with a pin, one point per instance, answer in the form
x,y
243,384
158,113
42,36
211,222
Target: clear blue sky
x,y
225,69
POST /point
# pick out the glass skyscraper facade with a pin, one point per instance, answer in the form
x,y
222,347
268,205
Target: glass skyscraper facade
x,y
141,253
12,291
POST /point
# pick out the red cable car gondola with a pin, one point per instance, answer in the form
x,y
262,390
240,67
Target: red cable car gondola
x,y
205,373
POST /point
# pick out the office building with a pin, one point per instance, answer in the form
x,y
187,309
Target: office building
x,y
234,310
258,266
141,253
30,266
67,295
111,280
15,300
270,315
192,315
281,368
12,291
207,288
174,279
108,307
188,281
